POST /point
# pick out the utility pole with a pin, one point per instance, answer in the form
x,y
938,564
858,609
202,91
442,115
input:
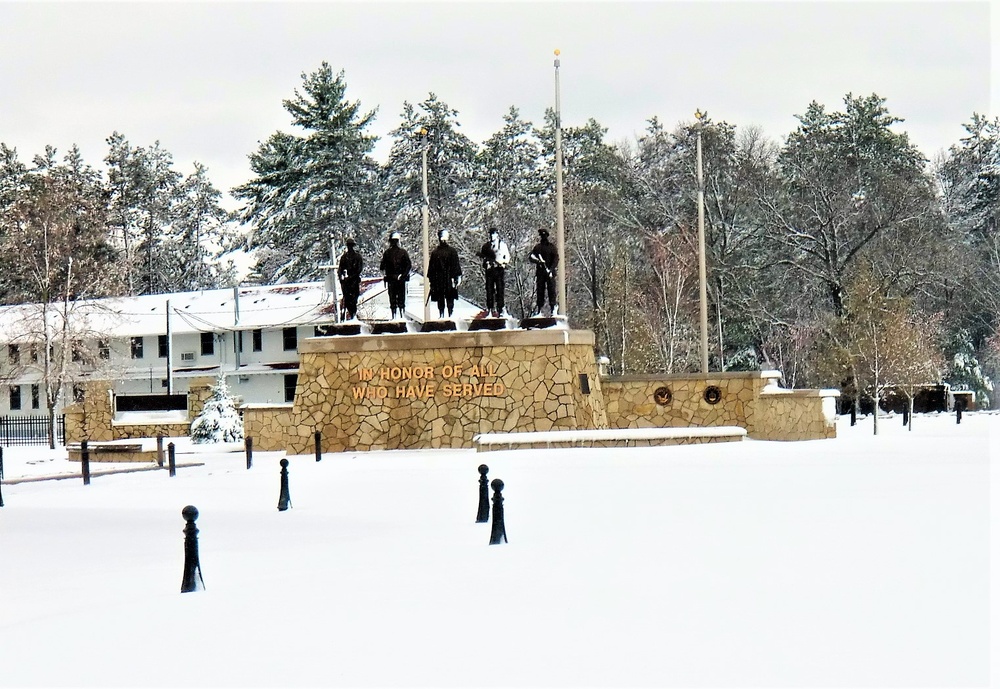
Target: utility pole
x,y
170,354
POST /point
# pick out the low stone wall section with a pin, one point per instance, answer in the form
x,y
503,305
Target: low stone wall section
x,y
750,399
267,424
92,419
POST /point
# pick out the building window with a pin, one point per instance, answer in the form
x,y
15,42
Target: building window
x,y
137,347
34,395
15,397
103,349
76,352
290,338
258,340
291,380
33,354
78,393
239,341
163,382
162,345
207,344
14,353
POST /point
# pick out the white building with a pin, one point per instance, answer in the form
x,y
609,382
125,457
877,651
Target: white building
x,y
249,334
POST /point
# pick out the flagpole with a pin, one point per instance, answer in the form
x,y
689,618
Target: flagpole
x,y
425,211
560,232
702,280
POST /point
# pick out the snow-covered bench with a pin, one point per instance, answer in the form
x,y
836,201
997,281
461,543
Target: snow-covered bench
x,y
607,437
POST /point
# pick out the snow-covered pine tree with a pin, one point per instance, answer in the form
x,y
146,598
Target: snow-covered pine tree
x,y
450,165
509,193
311,188
219,420
142,190
198,236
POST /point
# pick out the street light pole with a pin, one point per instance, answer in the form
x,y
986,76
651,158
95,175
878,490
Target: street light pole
x,y
425,212
702,281
560,232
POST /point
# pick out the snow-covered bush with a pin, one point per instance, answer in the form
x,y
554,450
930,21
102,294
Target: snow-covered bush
x,y
219,420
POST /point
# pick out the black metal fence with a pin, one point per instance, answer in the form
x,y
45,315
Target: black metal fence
x,y
30,430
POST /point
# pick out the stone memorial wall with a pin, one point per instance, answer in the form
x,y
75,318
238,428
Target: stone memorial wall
x,y
438,390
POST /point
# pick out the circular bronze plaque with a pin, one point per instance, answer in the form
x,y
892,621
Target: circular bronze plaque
x,y
662,396
713,394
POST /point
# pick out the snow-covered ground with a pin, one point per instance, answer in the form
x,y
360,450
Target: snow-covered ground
x,y
859,561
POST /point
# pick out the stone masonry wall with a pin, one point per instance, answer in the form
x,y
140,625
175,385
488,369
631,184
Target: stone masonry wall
x,y
438,390
748,399
796,415
267,425
92,419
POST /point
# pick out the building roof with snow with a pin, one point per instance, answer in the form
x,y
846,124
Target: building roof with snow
x,y
217,310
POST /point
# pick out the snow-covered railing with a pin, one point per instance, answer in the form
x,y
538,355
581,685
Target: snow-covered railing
x,y
607,437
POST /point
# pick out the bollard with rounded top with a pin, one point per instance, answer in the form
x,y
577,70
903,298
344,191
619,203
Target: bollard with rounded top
x,y
958,413
854,415
85,462
172,458
318,438
248,444
1,463
159,450
284,500
906,416
192,580
483,515
498,530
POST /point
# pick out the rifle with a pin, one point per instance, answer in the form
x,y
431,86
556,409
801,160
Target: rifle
x,y
541,261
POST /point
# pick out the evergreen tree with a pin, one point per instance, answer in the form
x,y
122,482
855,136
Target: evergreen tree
x,y
851,185
219,420
510,193
198,237
311,188
434,125
143,188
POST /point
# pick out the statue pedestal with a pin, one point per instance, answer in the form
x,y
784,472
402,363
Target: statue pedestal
x,y
388,327
538,322
488,324
343,329
437,326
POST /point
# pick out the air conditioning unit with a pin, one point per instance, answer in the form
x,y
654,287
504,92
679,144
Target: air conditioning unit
x,y
187,358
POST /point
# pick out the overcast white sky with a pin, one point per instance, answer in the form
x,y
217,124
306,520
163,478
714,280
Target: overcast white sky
x,y
207,79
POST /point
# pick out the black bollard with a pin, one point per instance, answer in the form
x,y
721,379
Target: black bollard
x,y
192,580
248,444
171,459
1,463
854,415
85,462
159,451
498,529
319,452
906,416
483,515
958,413
284,500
